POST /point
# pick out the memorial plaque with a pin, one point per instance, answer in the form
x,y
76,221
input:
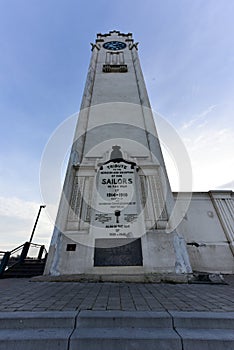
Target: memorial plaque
x,y
117,205
118,252
116,221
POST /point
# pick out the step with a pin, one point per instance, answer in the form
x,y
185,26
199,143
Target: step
x,y
22,274
27,269
205,330
26,265
124,338
98,330
116,330
32,319
34,339
103,319
36,330
203,320
207,339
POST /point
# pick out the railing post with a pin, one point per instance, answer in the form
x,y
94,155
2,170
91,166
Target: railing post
x,y
4,262
24,252
35,225
41,251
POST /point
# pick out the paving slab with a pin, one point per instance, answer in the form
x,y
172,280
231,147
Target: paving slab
x,y
76,315
23,295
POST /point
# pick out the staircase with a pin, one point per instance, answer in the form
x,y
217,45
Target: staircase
x,y
116,330
29,268
16,264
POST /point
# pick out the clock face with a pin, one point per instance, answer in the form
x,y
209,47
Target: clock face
x,y
114,45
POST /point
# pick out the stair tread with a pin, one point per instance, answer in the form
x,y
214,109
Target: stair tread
x,y
36,334
209,334
26,269
125,333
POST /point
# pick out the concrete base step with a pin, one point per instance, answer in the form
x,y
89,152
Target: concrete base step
x,y
116,330
125,338
207,339
203,320
96,330
36,330
205,330
123,319
34,339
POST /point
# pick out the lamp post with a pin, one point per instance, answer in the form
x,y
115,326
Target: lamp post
x,y
35,225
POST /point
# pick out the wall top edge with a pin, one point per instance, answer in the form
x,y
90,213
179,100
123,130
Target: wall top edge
x,y
205,192
210,195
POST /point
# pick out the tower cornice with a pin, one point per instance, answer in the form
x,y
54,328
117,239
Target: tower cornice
x,y
114,33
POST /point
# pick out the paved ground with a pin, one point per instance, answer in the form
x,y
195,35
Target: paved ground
x,y
23,295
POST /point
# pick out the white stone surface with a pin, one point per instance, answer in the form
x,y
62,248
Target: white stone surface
x,y
209,242
115,110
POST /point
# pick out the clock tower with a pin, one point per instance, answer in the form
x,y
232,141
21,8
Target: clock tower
x,y
115,217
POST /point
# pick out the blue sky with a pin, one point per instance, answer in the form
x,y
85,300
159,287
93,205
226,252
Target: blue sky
x,y
187,56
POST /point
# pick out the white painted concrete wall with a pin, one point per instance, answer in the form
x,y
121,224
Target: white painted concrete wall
x,y
209,242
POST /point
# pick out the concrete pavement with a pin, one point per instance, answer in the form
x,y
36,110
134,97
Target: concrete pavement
x,y
115,316
23,295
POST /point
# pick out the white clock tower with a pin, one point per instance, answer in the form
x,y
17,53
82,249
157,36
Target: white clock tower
x,y
114,220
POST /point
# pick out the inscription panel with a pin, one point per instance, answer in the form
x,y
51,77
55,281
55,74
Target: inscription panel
x,y
117,203
118,252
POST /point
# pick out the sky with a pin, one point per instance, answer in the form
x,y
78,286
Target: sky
x,y
186,49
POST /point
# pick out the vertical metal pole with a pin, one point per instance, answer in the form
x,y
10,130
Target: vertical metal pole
x,y
41,251
24,252
4,263
35,225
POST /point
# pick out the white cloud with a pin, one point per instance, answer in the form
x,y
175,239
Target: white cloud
x,y
210,144
17,207
199,116
17,219
211,152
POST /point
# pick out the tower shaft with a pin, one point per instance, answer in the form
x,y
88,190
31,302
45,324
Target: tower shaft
x,y
115,209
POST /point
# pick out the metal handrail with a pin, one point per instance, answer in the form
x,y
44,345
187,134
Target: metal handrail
x,y
20,246
25,248
16,249
38,245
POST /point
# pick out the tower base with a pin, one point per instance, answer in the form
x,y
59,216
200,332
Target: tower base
x,y
164,259
124,277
